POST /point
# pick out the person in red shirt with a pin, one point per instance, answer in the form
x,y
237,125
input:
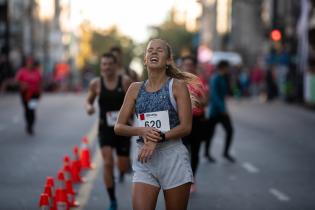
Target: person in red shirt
x,y
29,79
200,92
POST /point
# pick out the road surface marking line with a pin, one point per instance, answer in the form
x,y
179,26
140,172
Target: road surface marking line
x,y
86,188
250,167
92,133
279,195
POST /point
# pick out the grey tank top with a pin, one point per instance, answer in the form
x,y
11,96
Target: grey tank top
x,y
160,100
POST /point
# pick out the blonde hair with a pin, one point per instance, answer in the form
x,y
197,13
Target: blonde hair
x,y
174,72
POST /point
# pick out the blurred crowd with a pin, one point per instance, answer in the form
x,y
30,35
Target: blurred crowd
x,y
271,77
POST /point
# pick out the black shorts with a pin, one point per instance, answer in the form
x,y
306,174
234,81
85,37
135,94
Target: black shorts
x,y
199,132
107,137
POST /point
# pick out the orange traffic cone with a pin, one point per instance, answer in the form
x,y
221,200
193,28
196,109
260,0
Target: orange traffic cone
x,y
44,202
85,154
76,158
61,185
66,159
68,176
61,180
86,159
48,191
51,184
61,200
71,194
67,168
67,172
76,167
75,173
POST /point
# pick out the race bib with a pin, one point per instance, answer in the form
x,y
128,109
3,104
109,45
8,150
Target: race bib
x,y
111,118
32,104
159,120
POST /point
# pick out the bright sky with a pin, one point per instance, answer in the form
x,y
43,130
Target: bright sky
x,y
133,17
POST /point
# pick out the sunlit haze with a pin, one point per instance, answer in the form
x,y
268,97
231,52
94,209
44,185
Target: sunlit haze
x,y
131,17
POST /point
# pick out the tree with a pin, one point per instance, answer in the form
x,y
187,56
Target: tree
x,y
176,34
85,52
102,41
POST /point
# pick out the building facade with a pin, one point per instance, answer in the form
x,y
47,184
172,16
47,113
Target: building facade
x,y
244,25
32,28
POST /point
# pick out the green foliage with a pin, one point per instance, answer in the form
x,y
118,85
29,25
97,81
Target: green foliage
x,y
103,40
176,35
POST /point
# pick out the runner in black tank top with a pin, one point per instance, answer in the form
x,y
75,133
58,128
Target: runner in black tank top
x,y
110,102
110,89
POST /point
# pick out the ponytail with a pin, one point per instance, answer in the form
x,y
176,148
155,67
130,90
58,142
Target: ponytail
x,y
189,78
174,72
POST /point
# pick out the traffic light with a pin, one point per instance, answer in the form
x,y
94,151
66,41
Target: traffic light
x,y
276,35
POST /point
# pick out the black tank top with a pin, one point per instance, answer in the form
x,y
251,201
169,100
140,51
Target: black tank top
x,y
110,100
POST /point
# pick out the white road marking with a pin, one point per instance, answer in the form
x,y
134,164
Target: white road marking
x,y
279,195
250,167
92,133
86,188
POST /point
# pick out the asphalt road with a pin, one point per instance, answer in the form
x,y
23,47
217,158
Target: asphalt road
x,y
274,145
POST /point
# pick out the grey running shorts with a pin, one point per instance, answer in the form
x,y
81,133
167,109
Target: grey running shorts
x,y
169,166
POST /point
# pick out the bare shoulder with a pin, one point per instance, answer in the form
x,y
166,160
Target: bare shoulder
x,y
94,84
95,81
179,85
133,90
134,87
180,88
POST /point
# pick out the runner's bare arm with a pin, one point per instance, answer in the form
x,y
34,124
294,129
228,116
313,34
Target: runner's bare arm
x,y
184,111
91,96
126,112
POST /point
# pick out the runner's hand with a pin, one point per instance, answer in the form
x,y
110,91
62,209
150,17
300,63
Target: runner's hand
x,y
150,134
146,151
90,109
